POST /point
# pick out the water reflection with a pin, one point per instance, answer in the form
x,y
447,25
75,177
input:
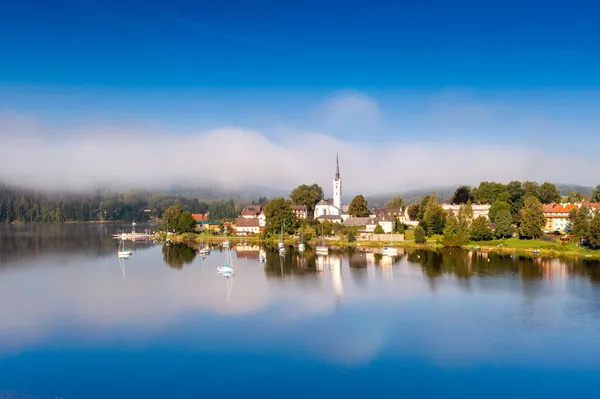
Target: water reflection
x,y
176,255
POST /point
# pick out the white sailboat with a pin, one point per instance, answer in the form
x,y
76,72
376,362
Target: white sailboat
x,y
388,250
204,250
322,249
281,244
227,267
123,252
301,245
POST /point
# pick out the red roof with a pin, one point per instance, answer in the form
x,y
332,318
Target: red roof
x,y
198,217
247,222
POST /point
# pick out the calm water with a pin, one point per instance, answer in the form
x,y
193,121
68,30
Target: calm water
x,y
77,323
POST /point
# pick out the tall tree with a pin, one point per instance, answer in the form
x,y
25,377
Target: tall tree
x,y
186,223
465,216
278,213
531,189
434,216
419,235
413,211
549,193
396,203
480,230
594,231
532,218
503,223
487,192
517,196
580,222
222,209
496,208
573,197
307,195
596,194
358,207
462,195
170,219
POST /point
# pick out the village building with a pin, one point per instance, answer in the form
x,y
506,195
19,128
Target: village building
x,y
558,216
332,209
245,226
300,211
478,209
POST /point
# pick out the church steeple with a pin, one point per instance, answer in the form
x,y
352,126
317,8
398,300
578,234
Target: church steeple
x,y
337,185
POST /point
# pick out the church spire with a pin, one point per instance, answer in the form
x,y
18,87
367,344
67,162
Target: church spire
x,y
337,166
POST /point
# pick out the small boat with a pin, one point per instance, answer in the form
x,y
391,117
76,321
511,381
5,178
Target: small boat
x,y
536,251
262,259
281,251
389,251
301,246
226,268
322,250
123,252
133,236
226,244
281,243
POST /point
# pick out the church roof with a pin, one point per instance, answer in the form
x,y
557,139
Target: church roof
x,y
322,202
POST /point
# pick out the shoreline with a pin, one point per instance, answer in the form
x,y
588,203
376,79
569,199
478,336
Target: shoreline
x,y
544,248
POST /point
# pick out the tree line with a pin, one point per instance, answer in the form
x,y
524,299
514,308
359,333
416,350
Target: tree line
x,y
24,205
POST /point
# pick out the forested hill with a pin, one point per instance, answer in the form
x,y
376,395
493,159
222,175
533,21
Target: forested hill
x,y
25,205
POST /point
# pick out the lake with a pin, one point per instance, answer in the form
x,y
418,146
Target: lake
x,y
77,322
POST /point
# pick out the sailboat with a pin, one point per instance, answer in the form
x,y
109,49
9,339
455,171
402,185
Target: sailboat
x,y
123,252
281,243
322,249
204,250
227,267
301,245
388,250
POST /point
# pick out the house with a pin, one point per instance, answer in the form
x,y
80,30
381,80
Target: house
x,y
387,223
478,209
396,213
558,216
300,211
331,218
205,225
245,226
254,212
199,217
361,223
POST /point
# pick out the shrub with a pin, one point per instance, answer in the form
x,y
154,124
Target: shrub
x,y
419,235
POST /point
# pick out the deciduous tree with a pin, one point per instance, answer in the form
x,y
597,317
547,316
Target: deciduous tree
x,y
532,218
594,231
596,194
481,230
278,213
462,195
580,222
549,193
396,203
307,195
503,223
378,230
358,207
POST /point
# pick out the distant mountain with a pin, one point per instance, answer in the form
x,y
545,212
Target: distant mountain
x,y
565,189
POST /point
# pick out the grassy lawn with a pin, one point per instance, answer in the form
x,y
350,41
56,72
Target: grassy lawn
x,y
526,245
409,235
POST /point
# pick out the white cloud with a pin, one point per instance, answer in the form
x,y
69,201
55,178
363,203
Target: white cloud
x,y
143,155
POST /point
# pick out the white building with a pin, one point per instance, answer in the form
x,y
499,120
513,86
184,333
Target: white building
x,y
478,209
332,209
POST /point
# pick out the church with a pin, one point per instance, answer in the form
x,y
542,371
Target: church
x,y
333,209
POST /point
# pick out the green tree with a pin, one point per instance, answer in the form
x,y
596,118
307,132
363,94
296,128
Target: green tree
x,y
222,209
278,212
399,227
574,196
496,208
594,231
434,216
517,196
596,194
378,230
481,230
549,193
351,235
419,235
307,195
413,211
423,207
532,218
462,195
580,222
531,189
186,223
396,203
487,192
170,218
358,207
503,223
465,216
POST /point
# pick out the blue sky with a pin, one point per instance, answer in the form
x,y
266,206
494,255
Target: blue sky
x,y
359,77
